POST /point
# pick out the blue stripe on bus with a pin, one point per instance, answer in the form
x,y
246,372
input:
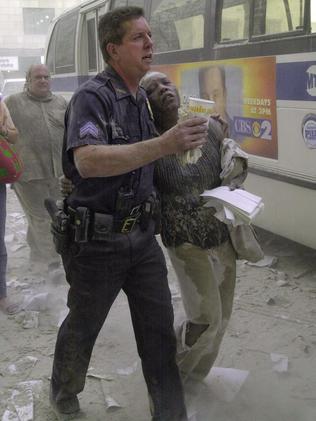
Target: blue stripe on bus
x,y
296,81
67,83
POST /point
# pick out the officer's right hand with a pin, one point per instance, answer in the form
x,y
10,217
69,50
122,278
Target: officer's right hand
x,y
188,134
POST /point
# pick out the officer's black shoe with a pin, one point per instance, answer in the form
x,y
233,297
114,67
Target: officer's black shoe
x,y
65,409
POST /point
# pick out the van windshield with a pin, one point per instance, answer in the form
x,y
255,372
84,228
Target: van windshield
x,y
12,87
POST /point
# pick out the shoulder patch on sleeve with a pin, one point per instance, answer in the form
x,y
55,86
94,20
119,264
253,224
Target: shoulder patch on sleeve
x,y
89,129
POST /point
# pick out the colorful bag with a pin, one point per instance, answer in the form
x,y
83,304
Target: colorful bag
x,y
10,164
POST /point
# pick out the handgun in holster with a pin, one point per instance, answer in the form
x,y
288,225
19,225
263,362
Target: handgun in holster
x,y
82,224
151,210
60,225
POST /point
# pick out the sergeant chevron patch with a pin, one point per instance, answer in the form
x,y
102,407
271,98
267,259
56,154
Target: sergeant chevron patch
x,y
89,129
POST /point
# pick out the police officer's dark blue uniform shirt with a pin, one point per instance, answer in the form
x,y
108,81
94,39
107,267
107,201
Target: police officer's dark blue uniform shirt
x,y
103,112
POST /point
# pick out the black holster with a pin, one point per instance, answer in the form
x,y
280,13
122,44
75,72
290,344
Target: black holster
x,y
60,225
61,238
151,211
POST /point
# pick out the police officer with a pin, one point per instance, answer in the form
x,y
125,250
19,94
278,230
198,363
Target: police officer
x,y
109,149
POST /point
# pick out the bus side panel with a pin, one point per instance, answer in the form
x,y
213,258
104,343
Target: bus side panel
x,y
289,207
270,105
289,210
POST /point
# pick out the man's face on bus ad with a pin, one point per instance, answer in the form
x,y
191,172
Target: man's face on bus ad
x,y
213,89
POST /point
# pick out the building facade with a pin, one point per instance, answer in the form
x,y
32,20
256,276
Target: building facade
x,y
23,29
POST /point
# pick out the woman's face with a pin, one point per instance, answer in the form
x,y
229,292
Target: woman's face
x,y
163,97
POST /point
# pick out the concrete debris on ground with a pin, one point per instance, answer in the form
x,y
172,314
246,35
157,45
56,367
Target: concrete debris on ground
x,y
264,370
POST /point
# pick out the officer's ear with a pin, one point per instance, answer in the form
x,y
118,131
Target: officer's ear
x,y
112,50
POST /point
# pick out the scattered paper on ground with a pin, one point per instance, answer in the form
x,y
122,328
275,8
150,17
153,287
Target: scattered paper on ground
x,y
225,383
22,365
21,402
111,403
281,362
267,261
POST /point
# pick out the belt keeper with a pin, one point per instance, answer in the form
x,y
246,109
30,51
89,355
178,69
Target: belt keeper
x,y
81,222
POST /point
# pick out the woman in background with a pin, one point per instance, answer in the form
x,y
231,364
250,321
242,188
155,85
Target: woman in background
x,y
10,134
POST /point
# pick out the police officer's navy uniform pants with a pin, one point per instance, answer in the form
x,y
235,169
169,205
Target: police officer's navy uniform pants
x,y
96,272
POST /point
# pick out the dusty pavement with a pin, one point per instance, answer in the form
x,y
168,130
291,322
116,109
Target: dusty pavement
x,y
271,337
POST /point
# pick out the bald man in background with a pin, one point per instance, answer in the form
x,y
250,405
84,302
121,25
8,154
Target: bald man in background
x,y
39,117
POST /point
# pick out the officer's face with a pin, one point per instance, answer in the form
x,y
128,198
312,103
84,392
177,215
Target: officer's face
x,y
39,85
163,96
134,55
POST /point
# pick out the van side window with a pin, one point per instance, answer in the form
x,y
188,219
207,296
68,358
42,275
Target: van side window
x,y
50,59
177,25
278,16
65,44
92,46
234,20
313,16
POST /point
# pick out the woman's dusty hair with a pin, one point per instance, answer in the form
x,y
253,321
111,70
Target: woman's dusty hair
x,y
149,77
111,28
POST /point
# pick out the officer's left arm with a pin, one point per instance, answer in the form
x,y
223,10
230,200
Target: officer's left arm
x,y
88,139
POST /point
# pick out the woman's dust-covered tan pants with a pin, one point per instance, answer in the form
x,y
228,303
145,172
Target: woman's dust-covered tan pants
x,y
207,281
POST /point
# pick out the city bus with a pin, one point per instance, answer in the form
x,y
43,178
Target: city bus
x,y
255,58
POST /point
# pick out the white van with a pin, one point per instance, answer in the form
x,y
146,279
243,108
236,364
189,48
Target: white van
x,y
12,86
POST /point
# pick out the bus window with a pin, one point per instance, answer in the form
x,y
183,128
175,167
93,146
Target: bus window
x,y
100,12
65,44
313,16
177,25
50,60
138,3
119,3
279,16
92,47
235,20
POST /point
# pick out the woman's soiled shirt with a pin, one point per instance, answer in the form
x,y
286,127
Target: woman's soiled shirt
x,y
184,218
